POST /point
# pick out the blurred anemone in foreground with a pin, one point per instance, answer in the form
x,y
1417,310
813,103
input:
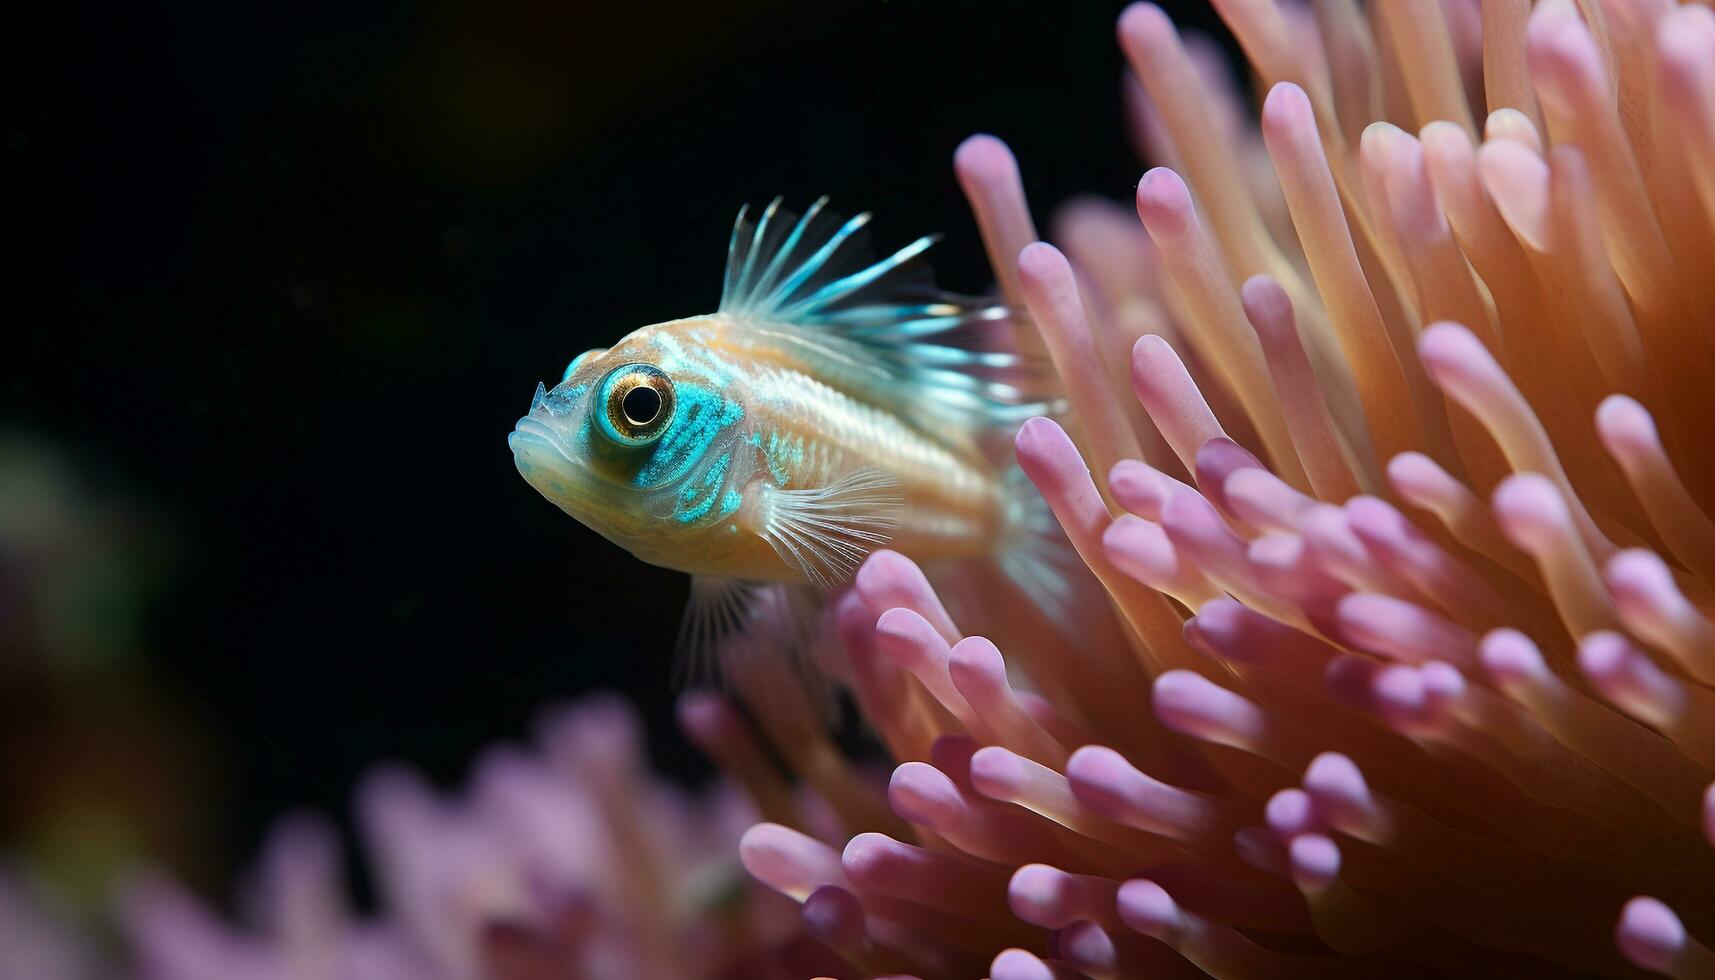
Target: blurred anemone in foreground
x,y
566,860
1408,438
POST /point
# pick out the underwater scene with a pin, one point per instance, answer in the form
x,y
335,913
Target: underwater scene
x,y
770,491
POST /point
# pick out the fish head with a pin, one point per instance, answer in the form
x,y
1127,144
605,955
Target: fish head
x,y
639,442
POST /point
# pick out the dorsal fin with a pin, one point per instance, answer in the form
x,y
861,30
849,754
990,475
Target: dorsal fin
x,y
881,324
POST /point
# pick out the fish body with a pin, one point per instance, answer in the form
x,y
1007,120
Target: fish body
x,y
830,407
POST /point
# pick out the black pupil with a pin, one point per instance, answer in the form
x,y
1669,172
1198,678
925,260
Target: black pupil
x,y
641,405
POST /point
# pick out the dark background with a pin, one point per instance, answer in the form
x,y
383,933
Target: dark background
x,y
287,275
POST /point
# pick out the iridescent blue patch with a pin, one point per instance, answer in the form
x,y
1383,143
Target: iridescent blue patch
x,y
702,416
697,500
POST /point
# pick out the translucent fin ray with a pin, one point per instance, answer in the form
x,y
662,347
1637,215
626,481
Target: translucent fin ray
x,y
828,531
716,612
732,627
884,321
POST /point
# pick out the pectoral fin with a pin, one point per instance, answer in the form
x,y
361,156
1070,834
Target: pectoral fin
x,y
827,532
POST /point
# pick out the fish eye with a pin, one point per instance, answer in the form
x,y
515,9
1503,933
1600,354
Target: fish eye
x,y
641,405
637,404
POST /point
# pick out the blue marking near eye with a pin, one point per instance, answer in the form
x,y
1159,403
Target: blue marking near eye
x,y
699,497
579,360
702,416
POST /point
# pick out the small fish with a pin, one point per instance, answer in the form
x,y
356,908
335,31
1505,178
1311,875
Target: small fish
x,y
830,407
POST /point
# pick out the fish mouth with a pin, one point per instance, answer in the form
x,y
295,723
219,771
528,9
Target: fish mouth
x,y
545,459
532,433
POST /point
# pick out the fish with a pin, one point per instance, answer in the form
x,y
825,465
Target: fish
x,y
831,406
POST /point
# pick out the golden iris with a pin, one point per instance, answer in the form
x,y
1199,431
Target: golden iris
x,y
638,404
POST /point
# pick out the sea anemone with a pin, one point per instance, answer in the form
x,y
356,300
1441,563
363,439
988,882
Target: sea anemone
x,y
1392,452
565,860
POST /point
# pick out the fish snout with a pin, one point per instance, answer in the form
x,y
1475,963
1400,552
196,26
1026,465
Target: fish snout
x,y
537,433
